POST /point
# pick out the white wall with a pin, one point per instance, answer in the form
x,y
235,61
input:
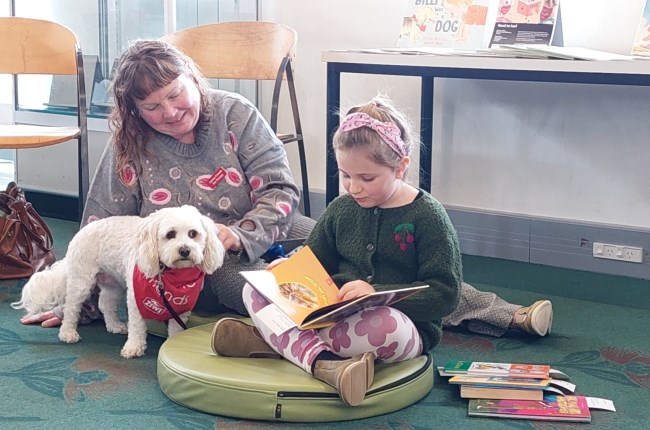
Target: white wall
x,y
564,151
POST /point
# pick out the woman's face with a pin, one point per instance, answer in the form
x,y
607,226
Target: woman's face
x,y
173,109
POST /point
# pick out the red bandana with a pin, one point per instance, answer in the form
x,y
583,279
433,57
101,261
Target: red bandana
x,y
181,289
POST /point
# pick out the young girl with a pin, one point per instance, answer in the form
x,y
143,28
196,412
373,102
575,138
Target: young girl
x,y
383,234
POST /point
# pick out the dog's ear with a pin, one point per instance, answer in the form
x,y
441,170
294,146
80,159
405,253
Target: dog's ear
x,y
214,252
148,258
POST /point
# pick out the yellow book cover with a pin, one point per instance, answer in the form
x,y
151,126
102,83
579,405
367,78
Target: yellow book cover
x,y
303,294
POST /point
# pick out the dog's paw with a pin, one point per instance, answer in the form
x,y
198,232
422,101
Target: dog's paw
x,y
69,336
133,350
120,328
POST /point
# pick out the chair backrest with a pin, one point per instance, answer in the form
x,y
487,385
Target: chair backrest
x,y
237,50
249,50
34,46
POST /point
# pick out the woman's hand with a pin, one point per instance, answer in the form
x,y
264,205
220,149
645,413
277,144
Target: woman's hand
x,y
228,238
354,289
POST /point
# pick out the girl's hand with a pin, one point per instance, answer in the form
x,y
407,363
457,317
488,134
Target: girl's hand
x,y
275,262
354,289
229,238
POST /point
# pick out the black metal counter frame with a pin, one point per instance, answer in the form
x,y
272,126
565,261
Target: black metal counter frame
x,y
595,72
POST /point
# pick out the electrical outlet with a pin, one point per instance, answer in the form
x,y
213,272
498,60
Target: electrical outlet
x,y
632,254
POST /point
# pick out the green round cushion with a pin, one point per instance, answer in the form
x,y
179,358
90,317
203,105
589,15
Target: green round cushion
x,y
190,374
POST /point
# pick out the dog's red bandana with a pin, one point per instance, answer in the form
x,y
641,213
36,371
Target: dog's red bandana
x,y
180,286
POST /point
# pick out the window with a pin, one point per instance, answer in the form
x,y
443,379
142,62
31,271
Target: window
x,y
104,28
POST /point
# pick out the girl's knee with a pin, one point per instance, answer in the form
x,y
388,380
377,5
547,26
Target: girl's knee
x,y
387,332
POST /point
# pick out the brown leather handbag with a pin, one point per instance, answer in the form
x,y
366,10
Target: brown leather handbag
x,y
25,239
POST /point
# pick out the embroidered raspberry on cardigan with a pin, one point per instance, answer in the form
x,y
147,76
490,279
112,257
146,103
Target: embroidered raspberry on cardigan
x,y
404,235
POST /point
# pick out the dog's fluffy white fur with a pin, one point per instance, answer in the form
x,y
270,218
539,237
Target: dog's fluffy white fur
x,y
105,253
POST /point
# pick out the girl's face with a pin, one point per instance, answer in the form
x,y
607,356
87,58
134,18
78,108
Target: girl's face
x,y
371,184
174,109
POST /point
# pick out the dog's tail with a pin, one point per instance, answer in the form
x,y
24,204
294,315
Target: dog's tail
x,y
45,290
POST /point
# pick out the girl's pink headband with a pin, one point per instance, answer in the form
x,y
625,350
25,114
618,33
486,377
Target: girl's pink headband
x,y
388,131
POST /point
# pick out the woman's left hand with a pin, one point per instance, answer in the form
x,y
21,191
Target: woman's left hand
x,y
354,289
229,238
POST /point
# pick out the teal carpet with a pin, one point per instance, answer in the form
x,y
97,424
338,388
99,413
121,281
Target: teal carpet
x,y
600,339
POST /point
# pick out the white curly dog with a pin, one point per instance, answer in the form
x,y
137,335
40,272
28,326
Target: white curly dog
x,y
112,252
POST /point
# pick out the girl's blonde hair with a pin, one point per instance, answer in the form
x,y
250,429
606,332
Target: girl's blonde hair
x,y
145,66
381,109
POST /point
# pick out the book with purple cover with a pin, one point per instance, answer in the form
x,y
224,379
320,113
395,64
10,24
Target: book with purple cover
x,y
551,408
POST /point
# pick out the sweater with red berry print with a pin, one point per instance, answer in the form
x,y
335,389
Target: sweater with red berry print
x,y
236,172
395,248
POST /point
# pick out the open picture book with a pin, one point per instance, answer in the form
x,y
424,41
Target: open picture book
x,y
303,295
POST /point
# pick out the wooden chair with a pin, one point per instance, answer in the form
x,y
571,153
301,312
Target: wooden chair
x,y
34,46
250,50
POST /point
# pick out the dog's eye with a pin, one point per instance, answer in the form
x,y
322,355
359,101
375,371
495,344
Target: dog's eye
x,y
192,234
171,234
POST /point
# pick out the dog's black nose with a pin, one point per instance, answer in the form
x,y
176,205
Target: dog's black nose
x,y
184,251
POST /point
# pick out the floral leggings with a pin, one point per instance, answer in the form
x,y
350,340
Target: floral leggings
x,y
387,332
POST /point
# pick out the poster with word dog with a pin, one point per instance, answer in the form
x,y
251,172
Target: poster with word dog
x,y
458,24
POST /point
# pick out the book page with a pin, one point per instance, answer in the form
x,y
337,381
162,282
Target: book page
x,y
297,286
330,314
602,404
276,319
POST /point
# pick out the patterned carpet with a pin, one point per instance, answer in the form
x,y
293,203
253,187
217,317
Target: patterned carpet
x,y
604,348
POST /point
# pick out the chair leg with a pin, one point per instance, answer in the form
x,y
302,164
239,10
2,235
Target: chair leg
x,y
83,171
305,181
301,143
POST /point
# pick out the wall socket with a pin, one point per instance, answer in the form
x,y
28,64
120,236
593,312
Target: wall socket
x,y
609,251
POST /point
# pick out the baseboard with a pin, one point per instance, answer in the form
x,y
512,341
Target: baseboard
x,y
54,205
316,204
491,235
558,243
550,242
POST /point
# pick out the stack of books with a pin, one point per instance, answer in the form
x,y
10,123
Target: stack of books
x,y
521,391
482,380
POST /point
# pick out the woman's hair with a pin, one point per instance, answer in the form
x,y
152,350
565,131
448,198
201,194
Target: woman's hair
x,y
381,109
145,66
